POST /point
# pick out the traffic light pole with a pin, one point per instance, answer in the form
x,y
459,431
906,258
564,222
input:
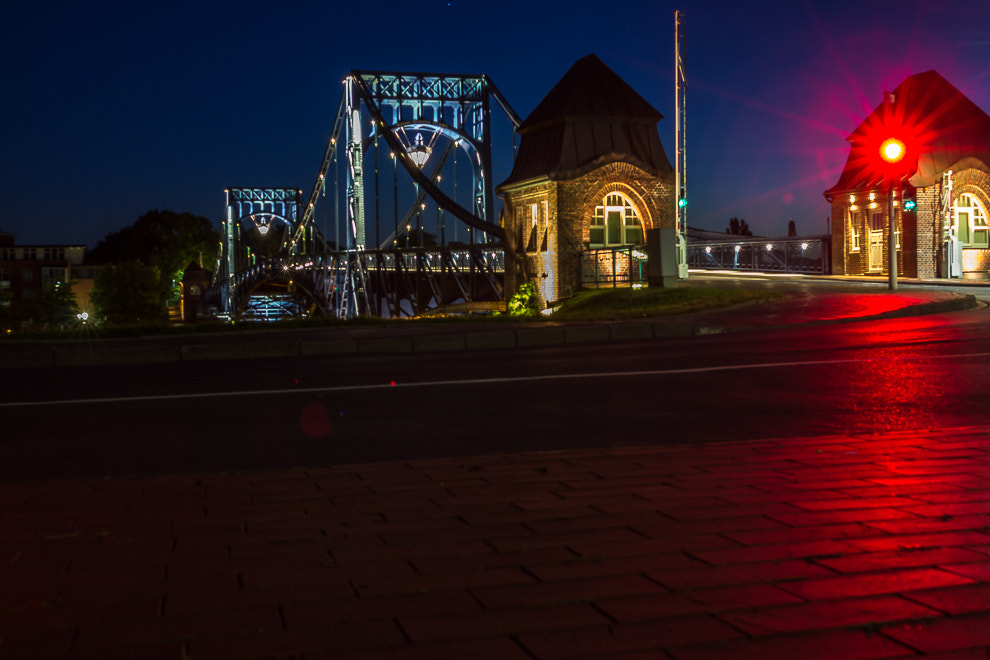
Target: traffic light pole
x,y
892,237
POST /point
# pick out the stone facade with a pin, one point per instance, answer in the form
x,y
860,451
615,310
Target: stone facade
x,y
548,252
954,141
922,250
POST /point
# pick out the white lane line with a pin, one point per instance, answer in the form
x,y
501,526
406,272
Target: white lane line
x,y
480,381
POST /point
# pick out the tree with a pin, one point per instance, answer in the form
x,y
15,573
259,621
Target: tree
x,y
53,307
165,240
738,227
128,293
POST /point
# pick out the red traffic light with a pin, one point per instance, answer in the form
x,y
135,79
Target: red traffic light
x,y
892,150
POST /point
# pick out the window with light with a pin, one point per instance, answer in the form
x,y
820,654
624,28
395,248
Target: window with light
x,y
971,221
854,231
616,222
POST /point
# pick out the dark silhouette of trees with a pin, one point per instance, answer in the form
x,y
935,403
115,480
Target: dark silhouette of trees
x,y
738,227
165,240
128,292
53,307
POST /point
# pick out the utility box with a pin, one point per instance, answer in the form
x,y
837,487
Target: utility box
x,y
661,257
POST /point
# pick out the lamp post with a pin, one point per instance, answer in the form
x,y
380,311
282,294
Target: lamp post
x,y
892,152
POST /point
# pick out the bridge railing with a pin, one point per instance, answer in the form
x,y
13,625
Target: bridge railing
x,y
396,282
785,255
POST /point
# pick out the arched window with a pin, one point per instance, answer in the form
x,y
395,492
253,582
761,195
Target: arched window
x,y
616,222
971,221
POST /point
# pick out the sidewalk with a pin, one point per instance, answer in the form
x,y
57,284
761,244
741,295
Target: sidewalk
x,y
835,547
800,307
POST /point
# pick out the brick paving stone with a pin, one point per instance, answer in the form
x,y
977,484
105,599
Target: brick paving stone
x,y
758,553
594,520
593,547
902,558
801,518
579,568
809,533
511,578
920,491
929,525
457,532
487,648
979,571
651,635
940,510
712,576
544,593
839,503
232,622
530,541
658,606
552,556
945,634
866,584
827,614
491,623
332,639
304,614
955,600
365,551
845,644
920,541
490,545
955,495
964,654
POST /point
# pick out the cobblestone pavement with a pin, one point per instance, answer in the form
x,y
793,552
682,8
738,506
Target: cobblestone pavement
x,y
835,547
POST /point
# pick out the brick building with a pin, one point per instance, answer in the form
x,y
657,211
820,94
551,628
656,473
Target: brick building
x,y
590,174
947,140
26,269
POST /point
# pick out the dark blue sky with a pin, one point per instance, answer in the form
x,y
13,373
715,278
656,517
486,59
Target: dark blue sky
x,y
111,109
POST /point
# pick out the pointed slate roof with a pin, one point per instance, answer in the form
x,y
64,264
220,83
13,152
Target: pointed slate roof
x,y
590,118
945,131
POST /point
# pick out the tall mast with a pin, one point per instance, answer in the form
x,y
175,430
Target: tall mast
x,y
680,167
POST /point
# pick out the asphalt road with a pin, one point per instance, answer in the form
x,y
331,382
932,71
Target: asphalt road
x,y
194,417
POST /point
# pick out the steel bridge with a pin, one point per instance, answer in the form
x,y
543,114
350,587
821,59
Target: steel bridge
x,y
405,192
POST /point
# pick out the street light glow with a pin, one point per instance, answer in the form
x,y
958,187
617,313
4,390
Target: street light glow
x,y
892,150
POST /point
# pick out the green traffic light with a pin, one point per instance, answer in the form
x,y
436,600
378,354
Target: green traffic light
x,y
681,203
910,204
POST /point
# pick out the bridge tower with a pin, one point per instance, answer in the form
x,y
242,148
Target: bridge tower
x,y
426,122
434,133
252,274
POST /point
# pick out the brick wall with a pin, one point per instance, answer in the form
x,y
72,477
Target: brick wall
x,y
928,226
555,263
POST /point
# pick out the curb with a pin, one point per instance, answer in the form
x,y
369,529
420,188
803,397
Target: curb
x,y
60,355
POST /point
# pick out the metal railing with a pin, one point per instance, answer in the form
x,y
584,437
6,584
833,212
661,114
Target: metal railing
x,y
783,255
612,267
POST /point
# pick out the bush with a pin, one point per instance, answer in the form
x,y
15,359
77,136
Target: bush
x,y
525,302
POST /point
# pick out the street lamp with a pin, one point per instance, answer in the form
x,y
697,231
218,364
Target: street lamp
x,y
892,151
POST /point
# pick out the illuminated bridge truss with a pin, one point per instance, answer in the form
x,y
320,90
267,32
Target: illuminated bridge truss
x,y
401,219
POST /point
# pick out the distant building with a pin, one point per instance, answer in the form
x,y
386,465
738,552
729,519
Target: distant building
x,y
26,269
590,174
947,139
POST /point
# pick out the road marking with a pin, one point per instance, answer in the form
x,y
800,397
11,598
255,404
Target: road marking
x,y
480,381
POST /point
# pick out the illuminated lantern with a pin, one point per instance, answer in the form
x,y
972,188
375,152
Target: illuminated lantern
x,y
892,150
